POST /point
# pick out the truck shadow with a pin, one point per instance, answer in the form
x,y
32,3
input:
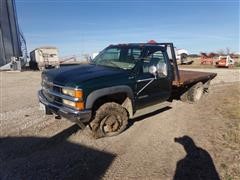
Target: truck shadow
x,y
145,116
197,164
51,158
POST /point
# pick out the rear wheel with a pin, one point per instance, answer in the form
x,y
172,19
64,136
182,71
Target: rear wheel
x,y
111,119
194,94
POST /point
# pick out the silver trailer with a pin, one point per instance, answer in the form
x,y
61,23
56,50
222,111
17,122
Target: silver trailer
x,y
13,51
44,57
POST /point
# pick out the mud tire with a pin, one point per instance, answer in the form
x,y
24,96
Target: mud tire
x,y
110,120
194,94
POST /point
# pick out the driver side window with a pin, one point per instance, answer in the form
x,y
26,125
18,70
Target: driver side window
x,y
158,60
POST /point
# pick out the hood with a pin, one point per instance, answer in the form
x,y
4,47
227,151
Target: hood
x,y
74,75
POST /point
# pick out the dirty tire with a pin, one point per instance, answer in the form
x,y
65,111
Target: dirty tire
x,y
194,94
184,97
110,120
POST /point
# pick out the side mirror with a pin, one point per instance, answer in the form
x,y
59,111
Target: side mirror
x,y
162,70
153,70
158,71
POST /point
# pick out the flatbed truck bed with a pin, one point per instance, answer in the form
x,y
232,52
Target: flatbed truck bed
x,y
192,77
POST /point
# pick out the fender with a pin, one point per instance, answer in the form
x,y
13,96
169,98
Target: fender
x,y
93,96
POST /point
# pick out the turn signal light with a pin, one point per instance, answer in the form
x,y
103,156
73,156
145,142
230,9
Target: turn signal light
x,y
79,105
78,94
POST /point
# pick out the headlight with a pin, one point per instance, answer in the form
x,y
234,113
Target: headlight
x,y
77,105
68,92
72,92
69,103
75,93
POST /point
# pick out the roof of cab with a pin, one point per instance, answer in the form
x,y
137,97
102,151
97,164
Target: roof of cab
x,y
136,45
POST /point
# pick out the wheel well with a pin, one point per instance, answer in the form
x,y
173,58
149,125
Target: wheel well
x,y
117,98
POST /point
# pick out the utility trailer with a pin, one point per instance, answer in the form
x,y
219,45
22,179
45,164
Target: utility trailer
x,y
44,57
225,61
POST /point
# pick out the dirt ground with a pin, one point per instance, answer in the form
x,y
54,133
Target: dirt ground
x,y
177,142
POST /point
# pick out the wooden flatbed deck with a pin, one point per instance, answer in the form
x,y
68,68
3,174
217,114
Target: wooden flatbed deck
x,y
188,77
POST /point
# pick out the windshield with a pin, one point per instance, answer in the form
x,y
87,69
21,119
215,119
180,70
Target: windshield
x,y
120,57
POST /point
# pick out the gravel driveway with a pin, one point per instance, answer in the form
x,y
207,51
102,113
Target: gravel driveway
x,y
155,146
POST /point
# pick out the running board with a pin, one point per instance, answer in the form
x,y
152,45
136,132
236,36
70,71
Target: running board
x,y
151,109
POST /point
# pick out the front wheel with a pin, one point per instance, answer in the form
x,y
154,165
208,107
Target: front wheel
x,y
111,119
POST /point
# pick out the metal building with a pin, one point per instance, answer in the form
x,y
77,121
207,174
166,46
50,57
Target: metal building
x,y
12,42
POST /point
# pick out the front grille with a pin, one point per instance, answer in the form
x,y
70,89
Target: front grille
x,y
48,96
48,87
53,93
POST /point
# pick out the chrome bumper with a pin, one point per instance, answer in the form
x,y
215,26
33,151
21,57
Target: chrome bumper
x,y
68,113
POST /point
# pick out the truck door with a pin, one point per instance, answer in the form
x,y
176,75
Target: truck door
x,y
153,89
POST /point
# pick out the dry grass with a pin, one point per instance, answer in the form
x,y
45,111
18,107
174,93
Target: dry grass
x,y
230,144
232,113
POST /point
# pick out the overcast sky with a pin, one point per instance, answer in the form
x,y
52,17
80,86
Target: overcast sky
x,y
78,26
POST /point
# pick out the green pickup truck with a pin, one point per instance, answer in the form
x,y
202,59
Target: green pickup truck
x,y
116,85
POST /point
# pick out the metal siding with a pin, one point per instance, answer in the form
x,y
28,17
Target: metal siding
x,y
9,32
14,28
2,50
